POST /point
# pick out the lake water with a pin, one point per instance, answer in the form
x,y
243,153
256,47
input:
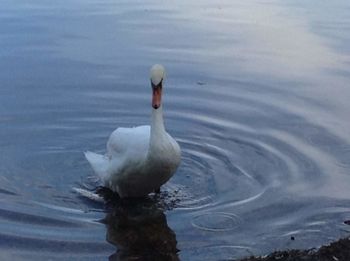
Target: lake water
x,y
257,94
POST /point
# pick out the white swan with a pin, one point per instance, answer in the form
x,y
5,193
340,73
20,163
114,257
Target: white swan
x,y
141,159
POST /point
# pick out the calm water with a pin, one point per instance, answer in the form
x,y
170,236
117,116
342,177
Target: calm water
x,y
257,95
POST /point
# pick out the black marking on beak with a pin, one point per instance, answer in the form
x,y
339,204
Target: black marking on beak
x,y
159,85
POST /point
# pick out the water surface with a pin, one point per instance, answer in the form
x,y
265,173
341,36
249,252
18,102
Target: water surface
x,y
257,94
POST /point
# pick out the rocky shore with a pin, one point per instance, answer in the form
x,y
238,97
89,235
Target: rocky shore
x,y
336,251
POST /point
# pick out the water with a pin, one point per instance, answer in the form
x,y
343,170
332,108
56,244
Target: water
x,y
257,95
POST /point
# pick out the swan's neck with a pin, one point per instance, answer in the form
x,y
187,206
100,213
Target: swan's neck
x,y
157,126
158,134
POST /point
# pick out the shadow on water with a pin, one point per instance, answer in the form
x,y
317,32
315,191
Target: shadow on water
x,y
139,230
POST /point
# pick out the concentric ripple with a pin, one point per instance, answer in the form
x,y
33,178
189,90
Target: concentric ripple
x,y
216,221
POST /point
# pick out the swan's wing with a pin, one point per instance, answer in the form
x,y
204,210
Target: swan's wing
x,y
174,144
98,162
129,142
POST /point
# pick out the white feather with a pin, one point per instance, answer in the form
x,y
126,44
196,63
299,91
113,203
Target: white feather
x,y
99,163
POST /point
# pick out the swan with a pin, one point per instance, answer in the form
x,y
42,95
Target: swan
x,y
140,159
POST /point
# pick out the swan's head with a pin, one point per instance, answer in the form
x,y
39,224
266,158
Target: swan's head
x,y
157,74
157,77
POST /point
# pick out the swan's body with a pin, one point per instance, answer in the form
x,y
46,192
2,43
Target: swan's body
x,y
141,159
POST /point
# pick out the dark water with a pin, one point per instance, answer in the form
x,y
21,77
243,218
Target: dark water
x,y
257,95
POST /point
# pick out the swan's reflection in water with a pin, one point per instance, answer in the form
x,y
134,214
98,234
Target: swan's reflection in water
x,y
139,230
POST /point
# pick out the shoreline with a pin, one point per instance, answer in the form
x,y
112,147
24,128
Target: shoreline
x,y
335,251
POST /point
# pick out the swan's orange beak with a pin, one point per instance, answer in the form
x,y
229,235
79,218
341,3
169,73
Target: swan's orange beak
x,y
157,96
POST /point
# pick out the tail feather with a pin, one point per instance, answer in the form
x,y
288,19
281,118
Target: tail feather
x,y
88,194
99,163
